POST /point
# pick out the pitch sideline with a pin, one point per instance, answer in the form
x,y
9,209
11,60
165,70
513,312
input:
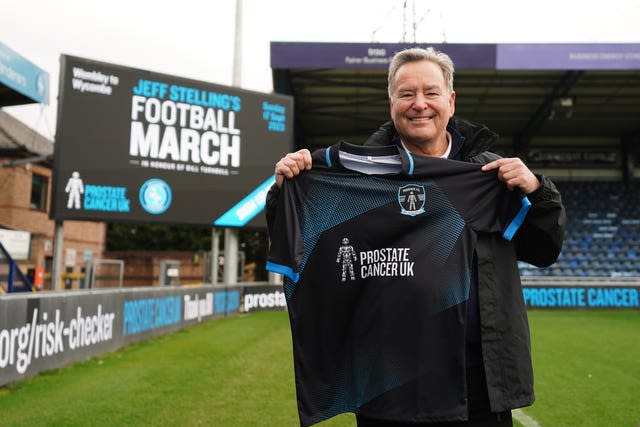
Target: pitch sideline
x,y
524,419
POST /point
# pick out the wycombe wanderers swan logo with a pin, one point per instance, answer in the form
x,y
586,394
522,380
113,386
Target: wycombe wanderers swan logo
x,y
411,198
155,196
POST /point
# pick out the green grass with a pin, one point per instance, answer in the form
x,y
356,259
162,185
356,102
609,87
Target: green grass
x,y
231,372
238,372
587,368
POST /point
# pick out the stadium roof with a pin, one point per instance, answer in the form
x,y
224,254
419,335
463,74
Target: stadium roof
x,y
521,91
18,141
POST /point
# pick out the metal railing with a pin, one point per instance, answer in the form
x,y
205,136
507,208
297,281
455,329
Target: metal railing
x,y
10,273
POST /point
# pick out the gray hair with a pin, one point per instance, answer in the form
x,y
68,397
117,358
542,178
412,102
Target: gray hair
x,y
419,54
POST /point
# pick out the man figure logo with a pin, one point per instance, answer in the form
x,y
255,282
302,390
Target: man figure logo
x,y
346,256
411,198
75,189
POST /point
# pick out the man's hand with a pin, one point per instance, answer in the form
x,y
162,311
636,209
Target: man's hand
x,y
292,164
515,174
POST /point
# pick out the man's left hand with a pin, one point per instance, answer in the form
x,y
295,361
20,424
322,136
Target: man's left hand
x,y
513,172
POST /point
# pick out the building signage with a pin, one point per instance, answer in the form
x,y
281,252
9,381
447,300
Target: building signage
x,y
22,76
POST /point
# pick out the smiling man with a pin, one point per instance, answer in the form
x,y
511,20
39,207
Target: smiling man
x,y
422,101
495,372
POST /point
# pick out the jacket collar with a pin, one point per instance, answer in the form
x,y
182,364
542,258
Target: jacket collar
x,y
468,138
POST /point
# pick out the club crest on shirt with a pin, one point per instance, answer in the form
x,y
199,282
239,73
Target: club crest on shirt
x,y
411,198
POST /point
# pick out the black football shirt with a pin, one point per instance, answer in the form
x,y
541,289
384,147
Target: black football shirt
x,y
376,247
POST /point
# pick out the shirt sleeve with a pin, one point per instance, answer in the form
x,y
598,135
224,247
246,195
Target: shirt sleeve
x,y
487,205
286,247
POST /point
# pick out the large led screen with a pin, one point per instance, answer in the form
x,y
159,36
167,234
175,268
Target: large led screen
x,y
143,147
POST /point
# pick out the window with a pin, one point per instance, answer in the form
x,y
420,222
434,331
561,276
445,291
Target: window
x,y
39,186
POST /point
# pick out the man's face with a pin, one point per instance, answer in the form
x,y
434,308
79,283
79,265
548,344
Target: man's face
x,y
421,104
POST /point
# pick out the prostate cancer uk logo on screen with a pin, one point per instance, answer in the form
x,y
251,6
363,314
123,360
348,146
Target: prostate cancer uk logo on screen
x,y
105,198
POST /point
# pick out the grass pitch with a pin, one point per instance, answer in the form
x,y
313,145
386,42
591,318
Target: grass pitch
x,y
587,368
238,372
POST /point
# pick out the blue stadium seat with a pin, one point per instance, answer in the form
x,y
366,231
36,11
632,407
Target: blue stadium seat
x,y
603,231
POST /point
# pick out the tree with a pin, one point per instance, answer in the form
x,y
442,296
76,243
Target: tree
x,y
127,237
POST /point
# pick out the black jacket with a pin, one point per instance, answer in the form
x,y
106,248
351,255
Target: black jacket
x,y
504,326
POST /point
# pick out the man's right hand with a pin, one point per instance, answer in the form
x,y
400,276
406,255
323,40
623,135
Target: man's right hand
x,y
292,164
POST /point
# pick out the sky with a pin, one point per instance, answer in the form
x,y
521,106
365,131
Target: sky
x,y
195,38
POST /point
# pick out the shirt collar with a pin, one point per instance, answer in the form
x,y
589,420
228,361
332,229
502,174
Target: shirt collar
x,y
405,157
447,151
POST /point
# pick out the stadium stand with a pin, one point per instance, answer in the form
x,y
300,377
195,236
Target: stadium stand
x,y
603,231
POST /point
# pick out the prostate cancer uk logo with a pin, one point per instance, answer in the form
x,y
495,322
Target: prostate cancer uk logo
x,y
373,263
92,197
155,196
411,198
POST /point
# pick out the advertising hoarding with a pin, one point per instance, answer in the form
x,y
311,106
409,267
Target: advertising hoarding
x,y
483,56
138,146
43,331
582,297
